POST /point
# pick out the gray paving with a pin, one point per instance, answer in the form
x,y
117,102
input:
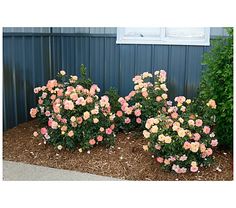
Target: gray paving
x,y
17,171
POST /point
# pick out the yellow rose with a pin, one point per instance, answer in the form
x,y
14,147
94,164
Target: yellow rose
x,y
154,129
168,139
146,134
188,101
161,137
194,146
181,132
193,164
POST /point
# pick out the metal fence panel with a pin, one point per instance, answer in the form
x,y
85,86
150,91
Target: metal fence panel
x,y
30,60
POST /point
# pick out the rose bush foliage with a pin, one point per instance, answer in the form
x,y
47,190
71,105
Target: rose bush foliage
x,y
147,99
75,115
181,140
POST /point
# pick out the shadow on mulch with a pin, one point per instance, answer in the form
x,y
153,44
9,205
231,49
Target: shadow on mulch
x,y
126,160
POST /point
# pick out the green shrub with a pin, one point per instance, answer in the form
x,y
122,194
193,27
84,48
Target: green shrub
x,y
147,99
180,140
75,115
217,84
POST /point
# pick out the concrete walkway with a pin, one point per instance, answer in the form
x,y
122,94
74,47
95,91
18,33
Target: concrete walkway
x,y
17,171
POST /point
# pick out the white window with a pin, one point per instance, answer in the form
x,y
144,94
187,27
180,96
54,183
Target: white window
x,y
164,35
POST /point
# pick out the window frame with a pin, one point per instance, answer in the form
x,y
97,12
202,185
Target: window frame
x,y
162,39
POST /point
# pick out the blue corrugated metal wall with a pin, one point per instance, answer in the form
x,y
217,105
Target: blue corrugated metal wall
x,y
29,60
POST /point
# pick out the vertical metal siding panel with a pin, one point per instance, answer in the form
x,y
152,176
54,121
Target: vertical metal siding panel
x,y
97,61
7,83
111,63
193,70
67,55
38,62
56,55
176,72
127,67
160,57
29,72
19,78
46,59
82,53
143,58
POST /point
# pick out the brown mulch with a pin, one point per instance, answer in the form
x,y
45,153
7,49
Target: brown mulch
x,y
126,160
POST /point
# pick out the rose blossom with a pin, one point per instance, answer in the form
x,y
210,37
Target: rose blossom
x,y
199,122
206,129
35,134
119,113
160,159
214,142
43,131
108,131
99,138
86,115
187,145
196,136
127,120
92,141
137,112
194,169
138,120
71,133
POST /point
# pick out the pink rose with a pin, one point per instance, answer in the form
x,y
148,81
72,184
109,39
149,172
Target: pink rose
x,y
139,120
50,122
199,122
196,136
206,129
160,159
35,134
71,133
99,138
33,112
145,94
119,113
137,112
127,120
47,113
194,169
54,125
187,145
92,141
209,151
60,92
53,97
174,115
43,131
158,98
214,142
108,131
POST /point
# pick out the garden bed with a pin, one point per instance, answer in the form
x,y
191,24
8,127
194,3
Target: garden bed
x,y
126,160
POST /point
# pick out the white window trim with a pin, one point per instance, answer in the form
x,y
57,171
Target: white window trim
x,y
162,39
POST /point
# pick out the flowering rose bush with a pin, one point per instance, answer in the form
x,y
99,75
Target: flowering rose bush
x,y
75,115
181,140
147,99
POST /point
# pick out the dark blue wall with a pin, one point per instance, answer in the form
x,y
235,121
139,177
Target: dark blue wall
x,y
29,60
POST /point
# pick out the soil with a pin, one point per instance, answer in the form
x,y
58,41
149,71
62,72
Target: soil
x,y
126,160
